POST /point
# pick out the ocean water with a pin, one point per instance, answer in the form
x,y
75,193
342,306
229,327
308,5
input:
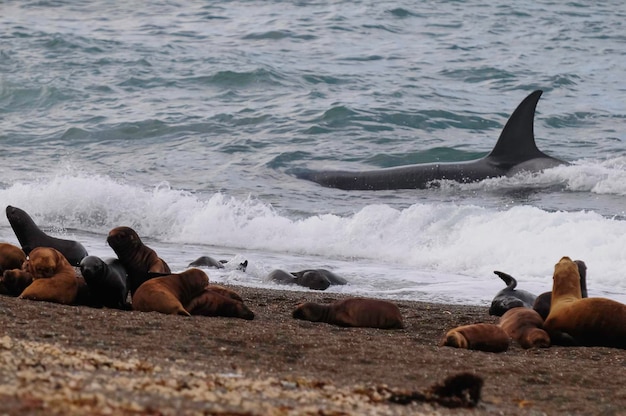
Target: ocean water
x,y
184,120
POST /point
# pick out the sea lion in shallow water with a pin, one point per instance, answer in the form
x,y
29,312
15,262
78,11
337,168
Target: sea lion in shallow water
x,y
509,297
54,278
543,301
208,261
107,282
30,237
355,312
589,321
481,337
140,261
525,326
168,294
316,279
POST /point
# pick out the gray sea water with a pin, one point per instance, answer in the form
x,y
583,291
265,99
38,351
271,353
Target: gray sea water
x,y
183,119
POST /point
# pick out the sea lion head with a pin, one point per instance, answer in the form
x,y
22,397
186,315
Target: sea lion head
x,y
45,262
566,279
123,238
91,267
309,311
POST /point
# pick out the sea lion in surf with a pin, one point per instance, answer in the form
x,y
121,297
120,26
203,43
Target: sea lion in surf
x,y
588,321
525,326
509,297
352,312
140,261
481,337
543,301
316,279
168,294
11,257
208,261
107,282
54,278
30,236
219,301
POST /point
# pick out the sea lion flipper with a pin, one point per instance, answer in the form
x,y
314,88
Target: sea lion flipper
x,y
510,281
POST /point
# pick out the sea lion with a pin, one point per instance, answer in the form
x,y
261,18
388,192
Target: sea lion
x,y
168,294
30,237
589,321
54,278
107,282
11,257
207,261
13,282
140,261
332,278
509,297
543,301
215,302
524,325
355,312
482,337
316,279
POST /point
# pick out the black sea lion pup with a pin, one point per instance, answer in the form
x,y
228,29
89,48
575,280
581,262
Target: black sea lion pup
x,y
168,294
107,282
140,261
206,261
30,236
589,321
509,297
356,312
524,325
333,279
54,278
314,281
11,257
482,337
543,301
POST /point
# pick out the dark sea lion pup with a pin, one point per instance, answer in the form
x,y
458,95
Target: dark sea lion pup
x,y
13,282
524,325
509,297
316,279
589,321
107,282
168,294
140,261
355,312
543,301
11,257
30,237
54,278
481,337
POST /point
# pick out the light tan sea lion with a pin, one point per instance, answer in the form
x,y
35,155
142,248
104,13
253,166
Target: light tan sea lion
x,y
525,326
589,321
54,278
168,294
482,337
543,301
140,261
356,312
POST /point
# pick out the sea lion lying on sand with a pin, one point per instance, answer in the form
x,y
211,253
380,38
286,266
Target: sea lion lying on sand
x,y
168,294
543,301
140,261
524,325
54,278
107,282
219,301
509,297
13,282
589,321
356,312
11,257
482,337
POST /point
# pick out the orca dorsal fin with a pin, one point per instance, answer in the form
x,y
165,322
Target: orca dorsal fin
x,y
517,140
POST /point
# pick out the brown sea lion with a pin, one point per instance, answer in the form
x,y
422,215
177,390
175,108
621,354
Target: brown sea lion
x,y
54,278
224,291
543,301
215,302
482,337
30,236
589,321
13,282
525,326
168,294
11,257
140,261
356,312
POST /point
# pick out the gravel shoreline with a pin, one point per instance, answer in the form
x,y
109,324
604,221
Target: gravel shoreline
x,y
59,359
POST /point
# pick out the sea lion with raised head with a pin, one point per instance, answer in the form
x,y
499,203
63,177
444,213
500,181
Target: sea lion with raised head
x,y
481,337
543,301
140,261
107,282
510,297
354,312
588,321
30,236
54,278
525,326
168,294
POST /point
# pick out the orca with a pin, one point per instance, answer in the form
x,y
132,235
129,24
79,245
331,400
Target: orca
x,y
514,152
